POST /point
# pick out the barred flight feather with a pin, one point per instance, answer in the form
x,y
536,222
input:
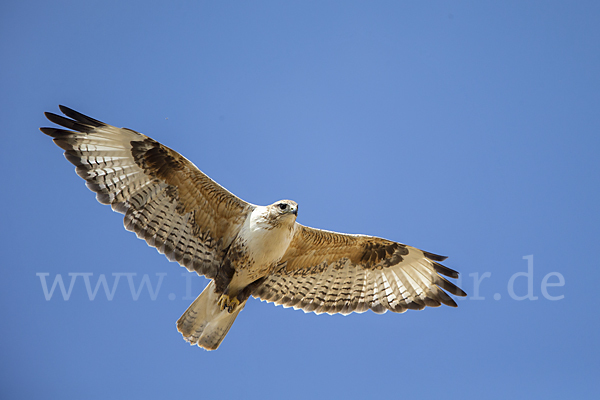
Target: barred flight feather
x,y
373,273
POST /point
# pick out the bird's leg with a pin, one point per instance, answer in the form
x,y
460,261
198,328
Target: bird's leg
x,y
245,293
232,302
227,302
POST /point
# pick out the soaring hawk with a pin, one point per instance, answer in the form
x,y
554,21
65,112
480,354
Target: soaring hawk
x,y
246,250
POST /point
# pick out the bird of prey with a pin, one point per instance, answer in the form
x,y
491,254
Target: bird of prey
x,y
246,250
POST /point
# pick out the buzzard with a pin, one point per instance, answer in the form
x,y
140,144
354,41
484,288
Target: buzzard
x,y
246,250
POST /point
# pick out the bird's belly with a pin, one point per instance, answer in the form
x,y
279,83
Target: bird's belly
x,y
262,250
245,275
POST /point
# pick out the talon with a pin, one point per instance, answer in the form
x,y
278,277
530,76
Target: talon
x,y
223,300
227,302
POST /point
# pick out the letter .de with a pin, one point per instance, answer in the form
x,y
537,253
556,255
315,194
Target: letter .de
x,y
529,276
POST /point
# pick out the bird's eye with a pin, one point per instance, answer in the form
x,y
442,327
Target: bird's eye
x,y
282,206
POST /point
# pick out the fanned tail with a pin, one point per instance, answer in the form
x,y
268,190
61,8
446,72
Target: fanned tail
x,y
203,323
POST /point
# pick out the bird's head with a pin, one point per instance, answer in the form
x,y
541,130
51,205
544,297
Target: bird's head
x,y
283,210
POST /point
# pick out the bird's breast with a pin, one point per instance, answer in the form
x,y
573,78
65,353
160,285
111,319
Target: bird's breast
x,y
265,243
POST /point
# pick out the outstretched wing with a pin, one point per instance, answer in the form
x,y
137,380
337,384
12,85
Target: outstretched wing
x,y
166,200
329,272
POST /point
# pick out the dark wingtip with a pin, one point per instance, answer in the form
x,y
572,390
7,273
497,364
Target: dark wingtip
x,y
449,287
434,257
451,303
79,117
78,121
57,119
445,270
76,125
54,132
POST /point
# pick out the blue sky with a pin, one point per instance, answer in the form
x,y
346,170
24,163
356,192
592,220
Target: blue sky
x,y
469,129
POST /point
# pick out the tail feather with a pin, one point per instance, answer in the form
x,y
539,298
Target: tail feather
x,y
203,323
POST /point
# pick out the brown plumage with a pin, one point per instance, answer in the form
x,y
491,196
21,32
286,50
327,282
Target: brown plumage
x,y
245,249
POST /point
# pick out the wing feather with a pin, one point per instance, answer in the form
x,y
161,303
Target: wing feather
x,y
329,272
166,200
